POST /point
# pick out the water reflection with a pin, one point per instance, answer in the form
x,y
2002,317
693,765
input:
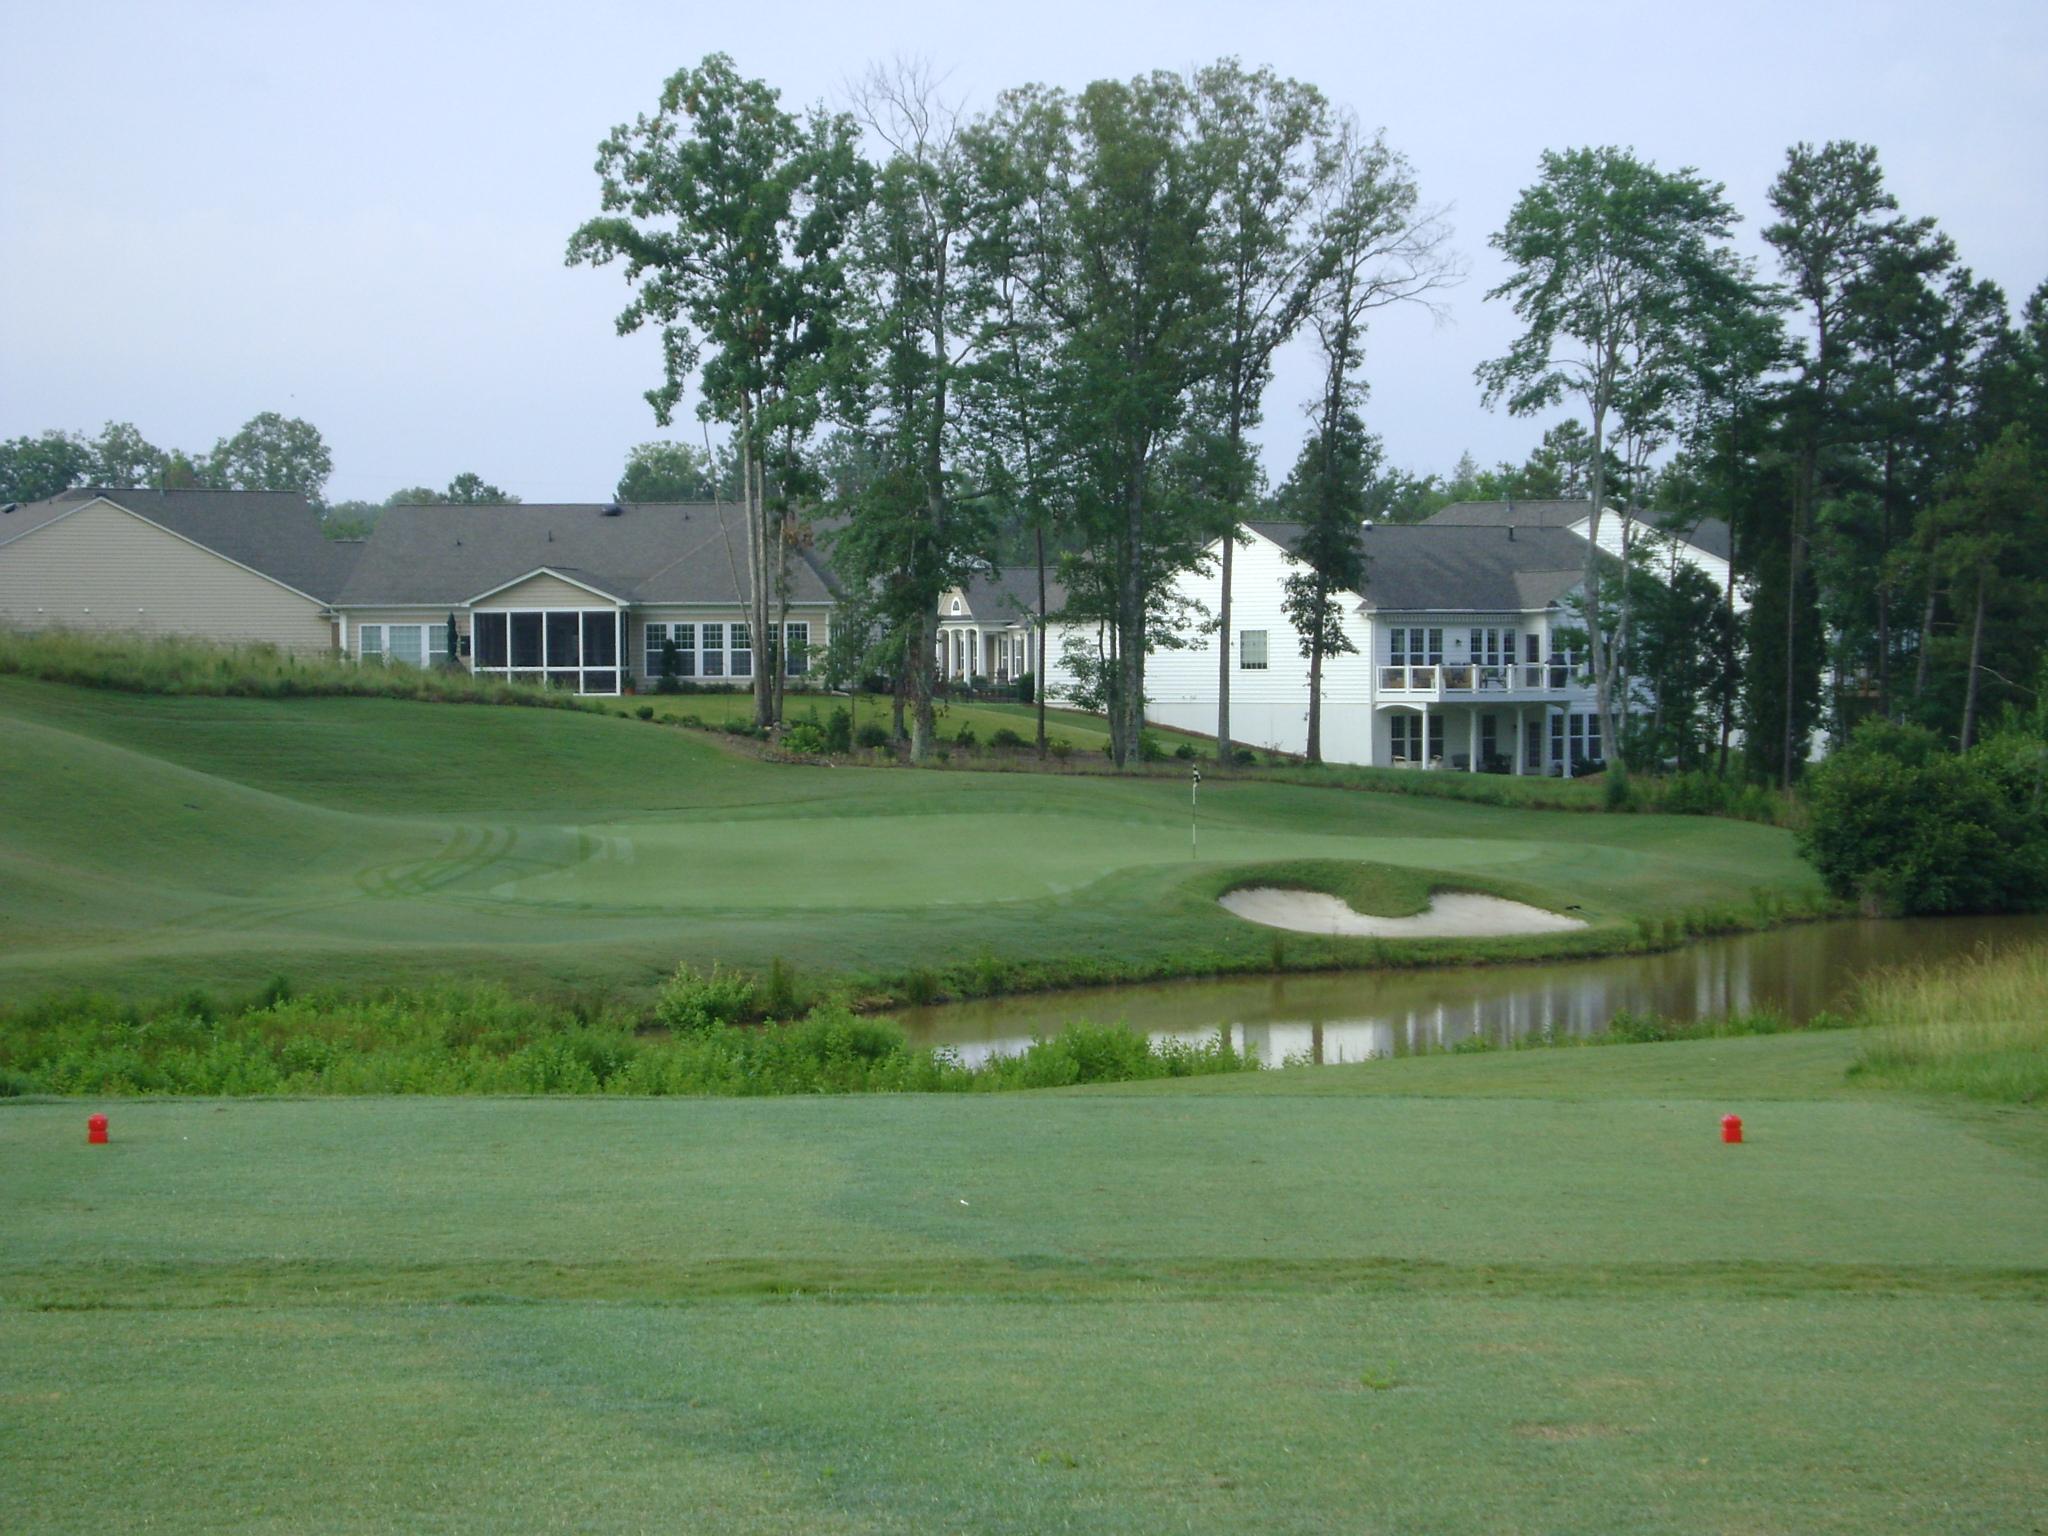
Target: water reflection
x,y
1351,1017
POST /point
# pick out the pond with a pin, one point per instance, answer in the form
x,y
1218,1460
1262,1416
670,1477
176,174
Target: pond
x,y
1356,1015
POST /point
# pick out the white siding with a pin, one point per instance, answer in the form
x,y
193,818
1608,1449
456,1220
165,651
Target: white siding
x,y
103,569
1663,547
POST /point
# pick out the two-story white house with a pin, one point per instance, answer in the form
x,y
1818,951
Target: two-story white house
x,y
1705,543
1460,660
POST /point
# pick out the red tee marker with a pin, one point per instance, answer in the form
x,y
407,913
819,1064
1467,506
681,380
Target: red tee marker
x,y
96,1131
1731,1128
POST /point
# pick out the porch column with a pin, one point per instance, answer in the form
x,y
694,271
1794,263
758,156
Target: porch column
x,y
1564,759
1427,760
1521,739
618,649
1472,754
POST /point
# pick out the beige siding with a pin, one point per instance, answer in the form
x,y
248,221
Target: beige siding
x,y
103,569
545,592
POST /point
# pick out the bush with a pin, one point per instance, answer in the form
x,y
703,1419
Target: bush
x,y
839,731
1185,752
1900,825
738,727
965,737
1060,748
803,739
1149,750
645,711
1006,739
693,1001
1027,688
1614,794
1244,757
871,736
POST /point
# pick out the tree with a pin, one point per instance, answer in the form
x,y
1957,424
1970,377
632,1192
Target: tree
x,y
272,453
1987,539
1274,143
37,468
123,458
1117,194
1832,206
1617,271
729,215
1329,492
472,490
910,533
672,471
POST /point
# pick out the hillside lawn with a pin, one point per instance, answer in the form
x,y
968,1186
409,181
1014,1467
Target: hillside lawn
x,y
1514,1292
156,842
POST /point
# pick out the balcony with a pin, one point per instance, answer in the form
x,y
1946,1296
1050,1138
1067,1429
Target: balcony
x,y
1512,680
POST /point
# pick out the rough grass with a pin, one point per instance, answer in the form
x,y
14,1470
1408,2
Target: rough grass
x,y
1979,1030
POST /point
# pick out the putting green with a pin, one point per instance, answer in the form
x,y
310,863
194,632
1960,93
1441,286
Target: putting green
x,y
159,842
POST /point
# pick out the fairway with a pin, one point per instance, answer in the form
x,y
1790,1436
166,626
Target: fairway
x,y
1528,1292
154,842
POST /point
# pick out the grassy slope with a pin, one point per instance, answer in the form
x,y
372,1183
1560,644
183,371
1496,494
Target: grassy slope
x,y
1519,1292
155,842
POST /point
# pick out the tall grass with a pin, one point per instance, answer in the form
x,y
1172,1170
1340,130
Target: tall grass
x,y
170,665
1978,1027
478,1040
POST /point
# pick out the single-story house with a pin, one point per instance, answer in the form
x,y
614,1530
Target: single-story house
x,y
214,565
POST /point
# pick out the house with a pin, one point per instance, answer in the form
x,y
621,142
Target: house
x,y
584,596
1705,543
987,625
1460,656
214,565
579,595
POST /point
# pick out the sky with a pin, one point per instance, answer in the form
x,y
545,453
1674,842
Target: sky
x,y
357,214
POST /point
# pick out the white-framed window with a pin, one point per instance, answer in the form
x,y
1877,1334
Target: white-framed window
x,y
410,645
796,648
740,648
685,637
1406,733
1493,647
712,649
1251,650
1412,645
1580,734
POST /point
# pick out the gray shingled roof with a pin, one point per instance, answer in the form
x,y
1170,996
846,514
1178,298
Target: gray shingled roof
x,y
1008,596
1429,567
1709,534
646,552
274,532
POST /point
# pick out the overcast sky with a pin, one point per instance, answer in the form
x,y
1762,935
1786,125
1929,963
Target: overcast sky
x,y
356,214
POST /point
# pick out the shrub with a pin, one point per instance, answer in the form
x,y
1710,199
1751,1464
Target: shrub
x,y
839,731
778,992
803,739
1185,752
645,711
871,736
1006,739
1149,749
1901,825
1244,757
693,1001
965,738
1027,688
1614,794
1060,748
738,727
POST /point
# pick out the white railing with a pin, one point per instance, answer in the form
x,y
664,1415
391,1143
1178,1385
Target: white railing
x,y
1554,676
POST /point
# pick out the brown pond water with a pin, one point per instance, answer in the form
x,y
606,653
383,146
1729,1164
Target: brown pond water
x,y
1355,1015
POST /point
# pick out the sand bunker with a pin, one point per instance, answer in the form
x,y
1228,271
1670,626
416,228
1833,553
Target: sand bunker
x,y
1451,915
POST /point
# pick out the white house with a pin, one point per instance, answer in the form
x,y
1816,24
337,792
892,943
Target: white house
x,y
1459,660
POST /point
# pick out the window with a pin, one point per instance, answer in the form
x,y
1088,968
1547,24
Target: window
x,y
600,639
1532,640
1251,650
525,640
440,641
411,645
1580,734
370,642
796,649
1493,647
1406,731
685,637
714,649
741,646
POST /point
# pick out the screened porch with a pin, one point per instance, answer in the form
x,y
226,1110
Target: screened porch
x,y
573,648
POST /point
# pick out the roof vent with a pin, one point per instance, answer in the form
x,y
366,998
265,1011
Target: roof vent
x,y
1511,533
9,508
614,510
551,535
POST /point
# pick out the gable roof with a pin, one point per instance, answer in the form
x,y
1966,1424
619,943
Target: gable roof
x,y
1450,567
641,552
273,533
1707,534
1006,597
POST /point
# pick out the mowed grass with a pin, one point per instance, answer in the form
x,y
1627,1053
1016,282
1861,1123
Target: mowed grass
x,y
158,842
1519,1292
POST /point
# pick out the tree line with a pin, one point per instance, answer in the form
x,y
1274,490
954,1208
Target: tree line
x,y
1042,336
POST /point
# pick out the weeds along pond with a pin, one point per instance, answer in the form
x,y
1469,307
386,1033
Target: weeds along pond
x,y
1353,1016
